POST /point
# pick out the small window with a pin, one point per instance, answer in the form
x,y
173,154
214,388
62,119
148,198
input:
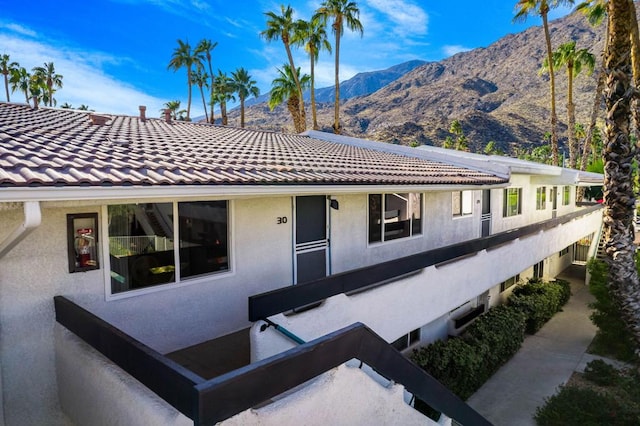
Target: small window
x,y
393,216
509,283
541,198
512,204
407,340
462,203
566,195
564,251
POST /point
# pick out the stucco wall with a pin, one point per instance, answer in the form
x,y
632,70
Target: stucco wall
x,y
396,308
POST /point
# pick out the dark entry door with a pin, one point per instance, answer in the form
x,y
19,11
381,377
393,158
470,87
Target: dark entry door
x,y
311,240
485,218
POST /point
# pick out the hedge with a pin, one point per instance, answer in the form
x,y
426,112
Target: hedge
x,y
540,301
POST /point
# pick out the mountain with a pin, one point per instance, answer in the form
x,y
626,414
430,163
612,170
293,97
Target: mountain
x,y
363,83
495,92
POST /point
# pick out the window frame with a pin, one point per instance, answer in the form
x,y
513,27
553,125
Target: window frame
x,y
380,216
461,205
509,282
179,280
505,202
566,195
541,198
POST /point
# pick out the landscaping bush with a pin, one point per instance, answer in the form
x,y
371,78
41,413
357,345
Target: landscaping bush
x,y
586,407
539,300
612,338
464,363
601,373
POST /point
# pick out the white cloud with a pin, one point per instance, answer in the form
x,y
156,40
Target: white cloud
x,y
20,29
83,81
409,19
452,49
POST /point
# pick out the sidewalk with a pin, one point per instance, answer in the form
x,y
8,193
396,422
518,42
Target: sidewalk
x,y
545,361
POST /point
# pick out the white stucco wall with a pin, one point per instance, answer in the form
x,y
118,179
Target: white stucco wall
x,y
396,308
342,396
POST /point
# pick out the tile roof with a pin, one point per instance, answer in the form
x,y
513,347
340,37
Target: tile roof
x,y
61,147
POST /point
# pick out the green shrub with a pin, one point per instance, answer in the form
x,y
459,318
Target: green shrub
x,y
586,407
612,338
539,300
601,373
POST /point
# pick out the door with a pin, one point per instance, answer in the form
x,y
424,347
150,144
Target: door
x,y
311,251
485,218
554,201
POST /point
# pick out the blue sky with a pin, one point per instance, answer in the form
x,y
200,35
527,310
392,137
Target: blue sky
x,y
113,54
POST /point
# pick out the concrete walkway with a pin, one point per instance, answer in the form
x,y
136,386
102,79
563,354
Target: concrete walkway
x,y
545,361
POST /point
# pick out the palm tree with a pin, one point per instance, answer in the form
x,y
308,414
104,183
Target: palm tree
x,y
223,92
66,105
183,56
52,79
284,88
340,11
283,27
618,155
6,68
524,8
244,87
566,55
37,88
200,78
313,37
19,80
83,107
173,107
205,47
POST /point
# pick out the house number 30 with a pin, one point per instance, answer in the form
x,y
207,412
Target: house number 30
x,y
281,220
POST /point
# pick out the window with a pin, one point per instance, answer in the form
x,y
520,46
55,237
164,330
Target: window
x,y
564,251
509,283
541,198
393,216
512,204
143,250
566,195
407,340
462,203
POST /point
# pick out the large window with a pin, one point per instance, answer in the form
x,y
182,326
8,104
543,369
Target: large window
x,y
142,245
394,216
566,195
462,203
541,198
512,204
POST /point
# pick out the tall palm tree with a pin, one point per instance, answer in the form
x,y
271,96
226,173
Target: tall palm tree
x,y
183,56
574,60
19,80
83,107
283,27
283,88
244,87
52,79
618,155
206,47
200,79
6,68
223,92
66,105
313,36
524,8
37,88
173,107
341,11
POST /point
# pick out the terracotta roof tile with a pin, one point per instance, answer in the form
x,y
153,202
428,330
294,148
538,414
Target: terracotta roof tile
x,y
61,147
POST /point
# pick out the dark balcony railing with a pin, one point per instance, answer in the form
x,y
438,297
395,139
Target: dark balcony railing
x,y
287,298
211,401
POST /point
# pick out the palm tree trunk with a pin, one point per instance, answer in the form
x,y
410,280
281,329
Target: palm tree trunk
x,y
313,92
635,64
294,72
336,107
204,104
223,112
552,84
571,120
618,156
242,111
212,121
189,98
6,86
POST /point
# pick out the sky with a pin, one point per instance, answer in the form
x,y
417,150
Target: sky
x,y
113,54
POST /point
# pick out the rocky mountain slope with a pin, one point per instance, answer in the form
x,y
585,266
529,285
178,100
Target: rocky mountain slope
x,y
495,92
